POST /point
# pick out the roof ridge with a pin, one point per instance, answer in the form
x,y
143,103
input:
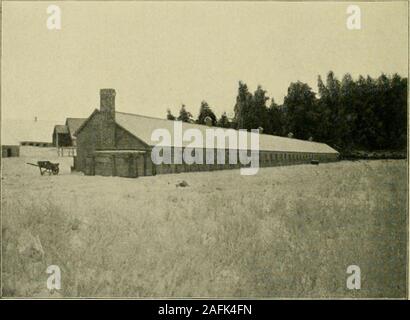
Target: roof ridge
x,y
141,115
204,125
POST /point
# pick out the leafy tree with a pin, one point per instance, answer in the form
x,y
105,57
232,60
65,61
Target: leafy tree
x,y
258,116
242,107
250,110
367,114
331,99
275,120
396,127
300,105
362,114
347,113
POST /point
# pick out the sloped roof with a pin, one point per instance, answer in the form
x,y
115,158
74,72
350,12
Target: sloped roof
x,y
60,128
143,126
73,124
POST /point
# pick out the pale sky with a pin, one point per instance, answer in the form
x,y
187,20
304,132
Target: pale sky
x,y
160,55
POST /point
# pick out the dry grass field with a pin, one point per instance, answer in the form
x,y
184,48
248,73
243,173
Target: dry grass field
x,y
286,232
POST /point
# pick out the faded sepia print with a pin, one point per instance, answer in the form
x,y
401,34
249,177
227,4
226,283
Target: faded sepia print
x,y
204,149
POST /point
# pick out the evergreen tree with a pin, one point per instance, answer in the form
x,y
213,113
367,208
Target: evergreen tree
x,y
223,121
258,116
184,115
242,107
170,116
205,111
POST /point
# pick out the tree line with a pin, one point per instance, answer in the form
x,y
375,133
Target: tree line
x,y
363,114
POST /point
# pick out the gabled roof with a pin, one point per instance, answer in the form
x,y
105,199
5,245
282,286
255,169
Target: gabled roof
x,y
143,126
73,124
60,128
85,122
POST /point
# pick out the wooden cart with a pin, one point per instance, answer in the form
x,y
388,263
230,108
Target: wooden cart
x,y
46,166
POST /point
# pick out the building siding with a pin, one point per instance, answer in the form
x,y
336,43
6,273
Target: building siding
x,y
88,141
91,139
125,140
123,164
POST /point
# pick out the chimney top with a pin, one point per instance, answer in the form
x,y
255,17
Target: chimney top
x,y
107,91
107,100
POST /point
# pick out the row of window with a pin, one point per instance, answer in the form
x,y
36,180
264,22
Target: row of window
x,y
36,144
266,157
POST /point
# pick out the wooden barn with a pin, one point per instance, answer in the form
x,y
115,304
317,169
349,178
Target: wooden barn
x,y
112,143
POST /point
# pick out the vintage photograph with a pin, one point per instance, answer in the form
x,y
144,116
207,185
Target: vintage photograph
x,y
204,149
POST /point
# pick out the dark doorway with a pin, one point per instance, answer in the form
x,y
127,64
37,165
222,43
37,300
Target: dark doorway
x,y
8,152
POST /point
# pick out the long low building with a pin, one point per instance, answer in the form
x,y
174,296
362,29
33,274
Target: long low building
x,y
112,143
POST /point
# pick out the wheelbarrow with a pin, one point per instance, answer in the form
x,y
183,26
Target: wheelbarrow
x,y
46,166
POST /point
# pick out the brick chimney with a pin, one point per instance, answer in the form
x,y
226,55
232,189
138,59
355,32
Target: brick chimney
x,y
107,101
107,110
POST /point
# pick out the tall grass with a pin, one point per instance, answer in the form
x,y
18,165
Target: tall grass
x,y
287,232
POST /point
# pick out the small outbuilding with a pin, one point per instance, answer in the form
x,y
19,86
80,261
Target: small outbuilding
x,y
63,135
8,151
